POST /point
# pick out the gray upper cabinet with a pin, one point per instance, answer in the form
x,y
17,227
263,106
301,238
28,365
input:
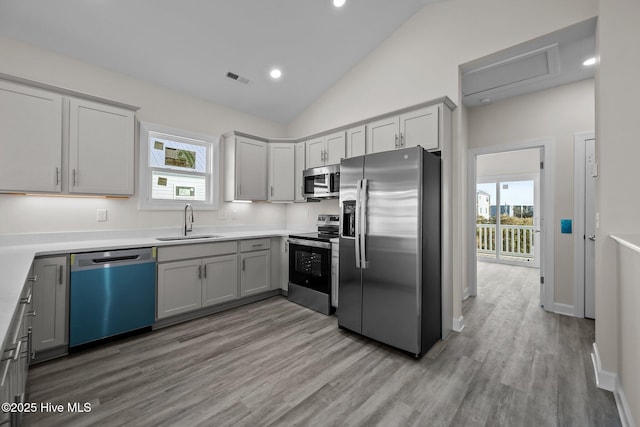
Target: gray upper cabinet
x,y
299,169
281,171
245,168
31,139
418,127
101,148
356,141
325,150
50,290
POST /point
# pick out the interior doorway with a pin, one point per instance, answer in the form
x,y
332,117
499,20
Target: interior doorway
x,y
510,188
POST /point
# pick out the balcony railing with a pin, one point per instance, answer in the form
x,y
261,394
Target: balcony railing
x,y
516,240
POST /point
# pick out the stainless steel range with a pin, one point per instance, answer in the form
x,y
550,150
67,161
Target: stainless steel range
x,y
311,275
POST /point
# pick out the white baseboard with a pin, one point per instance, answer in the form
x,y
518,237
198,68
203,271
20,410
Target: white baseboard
x,y
604,379
624,410
566,309
458,324
466,294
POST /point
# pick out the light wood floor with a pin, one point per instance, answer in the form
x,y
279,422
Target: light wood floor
x,y
276,363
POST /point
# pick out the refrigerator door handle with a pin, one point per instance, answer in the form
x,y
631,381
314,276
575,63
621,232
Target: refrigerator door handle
x,y
364,199
357,224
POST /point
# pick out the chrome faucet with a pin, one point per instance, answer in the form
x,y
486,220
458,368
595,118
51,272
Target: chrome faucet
x,y
188,219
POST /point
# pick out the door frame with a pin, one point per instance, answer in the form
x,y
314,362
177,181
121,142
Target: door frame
x,y
547,219
579,187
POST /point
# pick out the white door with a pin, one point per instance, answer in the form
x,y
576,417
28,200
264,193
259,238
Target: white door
x,y
30,138
420,127
590,231
383,135
281,172
334,148
356,138
315,153
101,148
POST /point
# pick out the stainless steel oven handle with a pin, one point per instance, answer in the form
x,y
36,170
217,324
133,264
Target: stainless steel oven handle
x,y
357,227
363,221
312,243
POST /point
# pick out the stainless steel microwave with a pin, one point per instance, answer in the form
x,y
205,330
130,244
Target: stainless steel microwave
x,y
322,182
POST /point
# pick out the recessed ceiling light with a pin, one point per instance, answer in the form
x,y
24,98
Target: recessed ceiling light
x,y
485,100
275,73
338,3
589,62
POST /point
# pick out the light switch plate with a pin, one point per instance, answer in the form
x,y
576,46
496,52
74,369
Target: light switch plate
x,y
101,215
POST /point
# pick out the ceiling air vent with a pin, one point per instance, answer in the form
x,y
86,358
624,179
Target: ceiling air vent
x,y
515,71
234,76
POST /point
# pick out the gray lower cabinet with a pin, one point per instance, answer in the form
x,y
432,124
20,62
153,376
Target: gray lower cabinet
x,y
16,355
50,291
195,276
255,267
219,279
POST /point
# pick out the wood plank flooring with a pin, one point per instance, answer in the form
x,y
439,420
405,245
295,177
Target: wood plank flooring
x,y
274,363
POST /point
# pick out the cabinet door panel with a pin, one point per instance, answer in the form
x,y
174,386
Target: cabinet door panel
x,y
31,139
179,288
101,145
50,303
220,279
255,272
300,167
420,127
315,153
251,169
281,172
356,138
383,135
335,148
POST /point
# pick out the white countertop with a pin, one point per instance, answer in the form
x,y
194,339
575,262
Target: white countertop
x,y
18,251
631,241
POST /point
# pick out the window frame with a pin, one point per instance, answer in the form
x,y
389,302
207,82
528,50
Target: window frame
x,y
212,174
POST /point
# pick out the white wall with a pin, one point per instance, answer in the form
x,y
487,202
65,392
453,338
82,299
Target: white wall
x,y
420,62
508,163
617,152
555,114
20,214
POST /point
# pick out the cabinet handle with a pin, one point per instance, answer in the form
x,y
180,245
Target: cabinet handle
x,y
31,314
30,351
272,191
401,140
57,176
60,275
75,177
396,141
257,245
323,156
205,271
243,264
27,300
199,272
33,278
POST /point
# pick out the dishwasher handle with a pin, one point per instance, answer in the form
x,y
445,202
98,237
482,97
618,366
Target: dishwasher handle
x,y
115,259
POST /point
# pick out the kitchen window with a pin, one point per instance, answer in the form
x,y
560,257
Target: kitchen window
x,y
177,167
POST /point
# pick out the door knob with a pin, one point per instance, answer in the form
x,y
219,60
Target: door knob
x,y
592,237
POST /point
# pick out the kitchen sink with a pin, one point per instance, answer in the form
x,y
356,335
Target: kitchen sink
x,y
194,237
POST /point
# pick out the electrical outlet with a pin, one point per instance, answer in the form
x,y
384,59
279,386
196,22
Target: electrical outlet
x,y
101,215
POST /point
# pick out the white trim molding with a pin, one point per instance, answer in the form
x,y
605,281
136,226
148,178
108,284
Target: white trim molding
x,y
604,379
624,409
466,293
565,309
458,324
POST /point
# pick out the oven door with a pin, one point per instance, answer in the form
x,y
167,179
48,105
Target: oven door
x,y
310,264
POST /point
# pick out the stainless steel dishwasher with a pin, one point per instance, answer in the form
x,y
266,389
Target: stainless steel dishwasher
x,y
111,293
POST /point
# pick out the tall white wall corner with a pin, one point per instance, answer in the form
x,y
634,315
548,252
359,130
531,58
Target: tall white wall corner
x,y
604,379
458,324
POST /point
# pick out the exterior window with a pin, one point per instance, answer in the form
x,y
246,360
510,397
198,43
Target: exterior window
x,y
177,167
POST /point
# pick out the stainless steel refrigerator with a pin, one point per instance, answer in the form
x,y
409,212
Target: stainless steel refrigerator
x,y
390,269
